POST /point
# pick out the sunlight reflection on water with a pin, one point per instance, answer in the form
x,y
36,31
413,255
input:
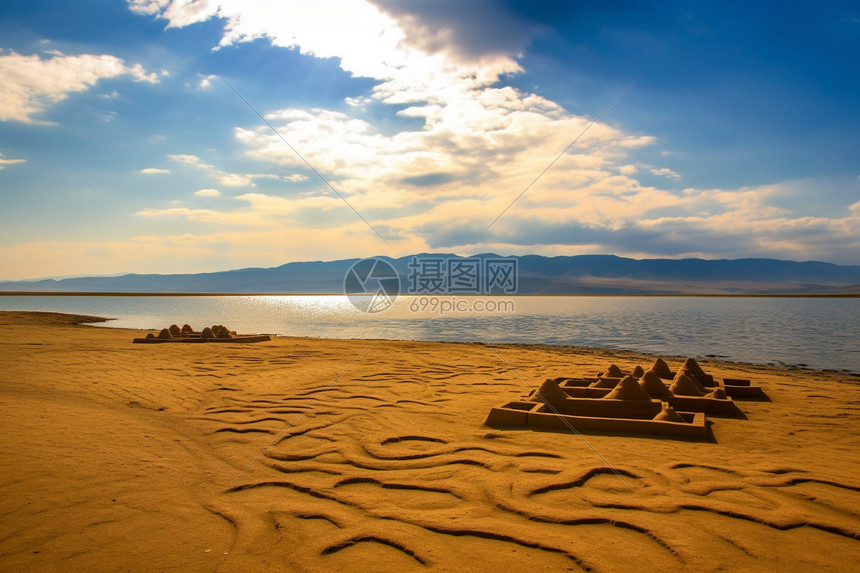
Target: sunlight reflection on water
x,y
819,332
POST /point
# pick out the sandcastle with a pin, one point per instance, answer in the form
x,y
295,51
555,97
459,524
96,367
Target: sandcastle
x,y
631,410
217,333
618,402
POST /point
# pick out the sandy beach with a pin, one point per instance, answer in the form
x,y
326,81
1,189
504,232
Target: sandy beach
x,y
354,455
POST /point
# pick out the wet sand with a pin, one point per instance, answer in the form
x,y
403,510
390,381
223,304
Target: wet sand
x,y
351,455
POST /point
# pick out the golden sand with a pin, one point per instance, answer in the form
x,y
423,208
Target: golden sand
x,y
366,456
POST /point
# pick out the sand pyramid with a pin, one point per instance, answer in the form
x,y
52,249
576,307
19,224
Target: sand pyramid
x,y
717,393
551,394
692,377
668,414
224,333
605,383
683,385
638,372
660,366
613,372
165,334
186,329
693,366
174,330
653,385
207,333
627,389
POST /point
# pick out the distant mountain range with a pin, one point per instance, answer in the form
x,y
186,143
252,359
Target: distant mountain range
x,y
582,274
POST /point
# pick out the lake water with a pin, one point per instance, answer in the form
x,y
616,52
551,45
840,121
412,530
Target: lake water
x,y
822,333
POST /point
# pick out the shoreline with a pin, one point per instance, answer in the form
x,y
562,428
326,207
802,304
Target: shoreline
x,y
463,295
336,454
99,322
621,352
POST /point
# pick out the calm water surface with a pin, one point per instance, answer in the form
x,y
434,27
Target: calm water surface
x,y
817,332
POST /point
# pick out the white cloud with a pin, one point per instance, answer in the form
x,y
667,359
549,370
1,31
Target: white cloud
x,y
664,172
295,178
30,84
7,162
472,147
235,180
206,81
223,177
147,7
473,137
260,210
154,171
209,216
190,160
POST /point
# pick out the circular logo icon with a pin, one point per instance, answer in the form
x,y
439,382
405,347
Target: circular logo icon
x,y
372,285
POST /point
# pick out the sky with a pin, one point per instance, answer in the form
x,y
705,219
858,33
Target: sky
x,y
168,136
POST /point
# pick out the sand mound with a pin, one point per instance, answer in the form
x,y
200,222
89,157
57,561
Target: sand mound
x,y
660,366
224,333
551,394
150,335
693,377
693,366
165,334
683,385
174,330
668,414
653,385
613,372
605,383
718,393
207,333
627,389
186,329
638,372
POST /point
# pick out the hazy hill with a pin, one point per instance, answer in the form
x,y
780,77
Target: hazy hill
x,y
583,274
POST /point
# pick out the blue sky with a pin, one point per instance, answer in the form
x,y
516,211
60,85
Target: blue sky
x,y
125,150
